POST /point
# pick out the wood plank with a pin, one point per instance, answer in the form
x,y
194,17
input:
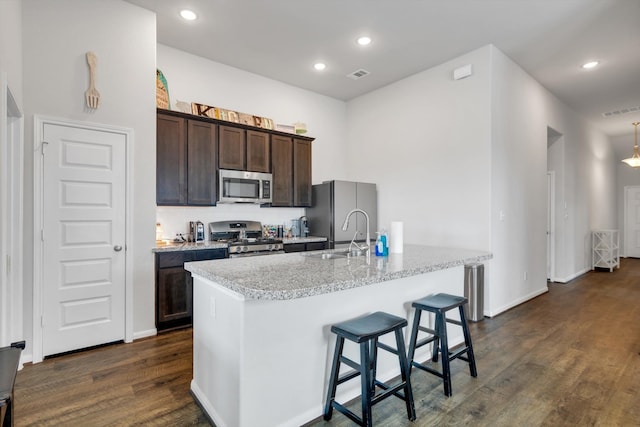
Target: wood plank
x,y
568,357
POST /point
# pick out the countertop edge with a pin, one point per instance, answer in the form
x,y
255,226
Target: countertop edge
x,y
287,294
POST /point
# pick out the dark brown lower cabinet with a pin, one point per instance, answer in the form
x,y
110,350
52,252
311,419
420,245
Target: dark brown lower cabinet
x,y
302,247
174,286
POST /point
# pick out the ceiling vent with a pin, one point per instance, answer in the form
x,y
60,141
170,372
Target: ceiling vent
x,y
621,111
358,74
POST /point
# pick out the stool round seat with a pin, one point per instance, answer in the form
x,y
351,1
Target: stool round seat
x,y
365,332
439,304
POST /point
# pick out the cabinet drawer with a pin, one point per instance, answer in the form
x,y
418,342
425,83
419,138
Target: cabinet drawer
x,y
207,254
316,246
170,259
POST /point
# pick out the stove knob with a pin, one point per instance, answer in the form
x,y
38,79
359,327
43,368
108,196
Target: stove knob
x,y
245,249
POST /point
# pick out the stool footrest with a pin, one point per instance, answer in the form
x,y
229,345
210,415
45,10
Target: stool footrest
x,y
458,353
348,376
387,348
428,369
384,386
388,391
352,416
454,321
350,362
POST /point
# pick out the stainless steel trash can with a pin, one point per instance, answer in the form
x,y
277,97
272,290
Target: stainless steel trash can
x,y
474,291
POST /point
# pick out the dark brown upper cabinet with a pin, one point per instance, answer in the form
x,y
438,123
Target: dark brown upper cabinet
x,y
185,162
258,151
301,173
201,164
232,148
245,150
191,148
171,160
282,170
291,169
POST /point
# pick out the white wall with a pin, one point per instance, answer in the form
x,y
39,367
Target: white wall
x,y
585,183
425,141
463,163
56,37
626,176
194,79
11,45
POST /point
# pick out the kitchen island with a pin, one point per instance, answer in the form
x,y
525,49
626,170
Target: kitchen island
x,y
261,327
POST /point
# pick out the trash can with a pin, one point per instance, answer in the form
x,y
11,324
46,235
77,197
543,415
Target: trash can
x,y
474,291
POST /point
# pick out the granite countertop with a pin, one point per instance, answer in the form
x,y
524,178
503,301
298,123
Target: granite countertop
x,y
304,274
308,239
192,246
188,246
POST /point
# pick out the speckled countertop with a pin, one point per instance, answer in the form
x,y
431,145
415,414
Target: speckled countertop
x,y
304,274
188,246
191,246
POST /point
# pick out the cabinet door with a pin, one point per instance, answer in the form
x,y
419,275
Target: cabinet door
x,y
232,148
282,170
201,163
171,161
301,173
258,152
174,297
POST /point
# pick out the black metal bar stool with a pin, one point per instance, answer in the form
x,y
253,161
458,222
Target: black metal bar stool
x,y
439,304
366,331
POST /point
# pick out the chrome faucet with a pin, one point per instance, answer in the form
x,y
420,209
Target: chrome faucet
x,y
366,247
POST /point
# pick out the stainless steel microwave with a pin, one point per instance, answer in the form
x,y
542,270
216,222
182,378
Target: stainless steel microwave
x,y
244,187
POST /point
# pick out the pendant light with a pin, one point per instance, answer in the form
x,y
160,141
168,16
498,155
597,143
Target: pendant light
x,y
634,161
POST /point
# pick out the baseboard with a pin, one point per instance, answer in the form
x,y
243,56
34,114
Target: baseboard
x,y
144,334
517,302
570,278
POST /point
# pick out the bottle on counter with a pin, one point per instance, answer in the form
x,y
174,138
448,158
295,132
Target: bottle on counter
x,y
379,245
385,242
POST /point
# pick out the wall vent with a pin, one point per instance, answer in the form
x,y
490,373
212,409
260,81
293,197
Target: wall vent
x,y
621,111
358,74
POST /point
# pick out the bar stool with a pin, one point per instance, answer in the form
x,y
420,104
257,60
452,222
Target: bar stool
x,y
365,331
439,304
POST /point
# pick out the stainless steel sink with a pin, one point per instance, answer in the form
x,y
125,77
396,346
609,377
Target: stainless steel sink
x,y
337,254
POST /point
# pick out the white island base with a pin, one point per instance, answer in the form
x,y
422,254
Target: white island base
x,y
260,362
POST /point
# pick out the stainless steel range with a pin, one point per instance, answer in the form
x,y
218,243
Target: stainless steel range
x,y
244,238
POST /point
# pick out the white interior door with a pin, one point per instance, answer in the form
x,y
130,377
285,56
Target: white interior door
x,y
632,222
83,237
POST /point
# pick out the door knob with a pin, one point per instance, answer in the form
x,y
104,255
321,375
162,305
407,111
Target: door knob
x,y
117,248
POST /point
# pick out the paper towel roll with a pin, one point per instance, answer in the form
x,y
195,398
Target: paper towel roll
x,y
395,238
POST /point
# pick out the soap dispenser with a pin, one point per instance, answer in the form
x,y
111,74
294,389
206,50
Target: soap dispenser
x,y
379,245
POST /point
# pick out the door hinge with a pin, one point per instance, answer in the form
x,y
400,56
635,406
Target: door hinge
x,y
8,266
42,146
42,321
42,234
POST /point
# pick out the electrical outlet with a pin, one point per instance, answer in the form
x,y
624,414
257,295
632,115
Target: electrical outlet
x,y
212,307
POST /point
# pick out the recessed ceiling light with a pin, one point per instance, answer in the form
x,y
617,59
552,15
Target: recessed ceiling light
x,y
189,15
364,40
590,64
319,66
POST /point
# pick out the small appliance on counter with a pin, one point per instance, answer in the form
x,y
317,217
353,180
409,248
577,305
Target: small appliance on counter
x,y
196,231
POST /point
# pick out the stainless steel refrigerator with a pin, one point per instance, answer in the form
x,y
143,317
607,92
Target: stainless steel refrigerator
x,y
332,201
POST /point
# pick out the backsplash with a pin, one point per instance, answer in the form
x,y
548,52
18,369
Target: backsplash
x,y
175,219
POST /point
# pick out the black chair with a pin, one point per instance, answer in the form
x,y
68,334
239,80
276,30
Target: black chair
x,y
9,361
366,331
439,304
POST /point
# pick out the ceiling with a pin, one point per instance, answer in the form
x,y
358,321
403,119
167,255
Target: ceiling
x,y
550,39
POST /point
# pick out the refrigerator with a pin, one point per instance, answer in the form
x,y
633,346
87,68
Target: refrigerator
x,y
332,201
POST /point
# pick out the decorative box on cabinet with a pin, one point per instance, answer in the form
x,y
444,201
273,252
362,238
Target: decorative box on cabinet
x,y
606,249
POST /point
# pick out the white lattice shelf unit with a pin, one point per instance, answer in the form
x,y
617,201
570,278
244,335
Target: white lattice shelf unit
x,y
606,249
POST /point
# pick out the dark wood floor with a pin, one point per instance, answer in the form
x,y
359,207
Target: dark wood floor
x,y
570,357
